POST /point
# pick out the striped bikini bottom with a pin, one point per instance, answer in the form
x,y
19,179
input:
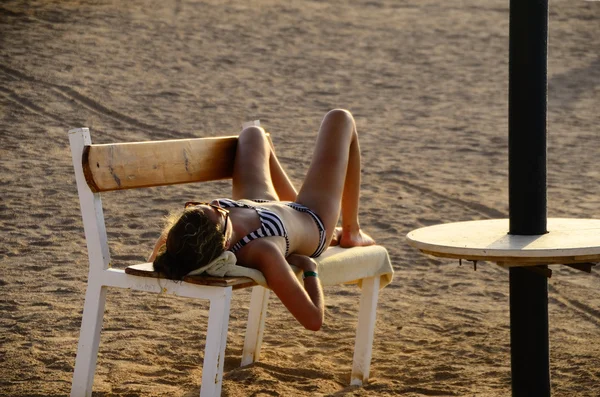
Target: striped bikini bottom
x,y
322,243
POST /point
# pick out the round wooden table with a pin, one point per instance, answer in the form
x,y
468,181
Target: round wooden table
x,y
573,242
568,241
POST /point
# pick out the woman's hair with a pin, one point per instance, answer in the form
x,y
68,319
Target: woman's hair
x,y
193,241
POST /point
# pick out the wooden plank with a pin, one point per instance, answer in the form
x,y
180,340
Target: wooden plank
x,y
235,282
143,164
146,270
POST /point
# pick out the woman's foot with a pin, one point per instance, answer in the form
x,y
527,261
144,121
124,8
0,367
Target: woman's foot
x,y
354,239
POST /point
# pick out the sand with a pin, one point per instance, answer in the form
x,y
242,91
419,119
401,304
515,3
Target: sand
x,y
427,82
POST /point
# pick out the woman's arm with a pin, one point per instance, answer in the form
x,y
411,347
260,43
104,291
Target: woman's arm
x,y
161,240
306,303
312,284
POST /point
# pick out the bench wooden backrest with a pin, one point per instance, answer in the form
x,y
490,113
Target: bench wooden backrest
x,y
120,166
107,167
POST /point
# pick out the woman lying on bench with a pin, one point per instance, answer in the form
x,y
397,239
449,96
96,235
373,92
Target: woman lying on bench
x,y
268,225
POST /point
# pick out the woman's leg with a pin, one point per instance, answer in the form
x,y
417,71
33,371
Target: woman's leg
x,y
284,187
333,179
257,173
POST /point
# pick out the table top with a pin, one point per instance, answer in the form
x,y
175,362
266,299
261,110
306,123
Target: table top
x,y
568,241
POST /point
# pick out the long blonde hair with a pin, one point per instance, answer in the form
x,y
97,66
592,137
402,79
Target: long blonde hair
x,y
193,241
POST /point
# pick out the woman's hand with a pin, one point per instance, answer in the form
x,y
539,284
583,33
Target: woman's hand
x,y
304,300
302,262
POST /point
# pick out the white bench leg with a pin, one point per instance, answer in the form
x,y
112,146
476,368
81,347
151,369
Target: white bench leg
x,y
365,331
256,325
216,340
89,340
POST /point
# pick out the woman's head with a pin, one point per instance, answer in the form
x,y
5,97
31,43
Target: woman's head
x,y
195,237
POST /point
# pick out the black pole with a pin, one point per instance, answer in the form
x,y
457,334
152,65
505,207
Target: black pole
x,y
527,116
530,362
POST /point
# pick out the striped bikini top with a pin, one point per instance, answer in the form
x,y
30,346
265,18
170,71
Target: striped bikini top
x,y
271,224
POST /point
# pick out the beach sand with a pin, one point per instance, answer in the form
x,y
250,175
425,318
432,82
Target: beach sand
x,y
427,82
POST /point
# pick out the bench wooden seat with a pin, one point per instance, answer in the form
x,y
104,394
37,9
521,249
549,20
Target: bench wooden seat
x,y
108,167
146,270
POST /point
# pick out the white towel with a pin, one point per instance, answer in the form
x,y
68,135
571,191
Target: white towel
x,y
335,266
219,266
339,265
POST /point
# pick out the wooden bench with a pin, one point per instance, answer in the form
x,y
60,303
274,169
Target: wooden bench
x,y
108,167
